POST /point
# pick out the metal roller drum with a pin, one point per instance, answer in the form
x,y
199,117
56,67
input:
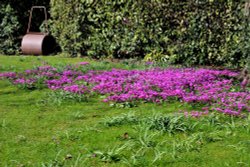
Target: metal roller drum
x,y
38,43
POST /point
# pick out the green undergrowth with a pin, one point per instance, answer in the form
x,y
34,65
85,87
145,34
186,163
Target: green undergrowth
x,y
35,131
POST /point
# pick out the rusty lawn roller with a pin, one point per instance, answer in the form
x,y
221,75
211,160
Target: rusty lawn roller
x,y
38,43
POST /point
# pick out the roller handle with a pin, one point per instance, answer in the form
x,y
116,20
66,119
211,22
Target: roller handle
x,y
45,16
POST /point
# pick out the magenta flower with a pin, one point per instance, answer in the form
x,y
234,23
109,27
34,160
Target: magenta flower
x,y
83,63
212,88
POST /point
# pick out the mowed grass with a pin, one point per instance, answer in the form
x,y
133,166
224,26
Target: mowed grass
x,y
35,132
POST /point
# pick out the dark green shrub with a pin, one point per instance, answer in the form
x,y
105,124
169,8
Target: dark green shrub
x,y
191,32
66,25
9,27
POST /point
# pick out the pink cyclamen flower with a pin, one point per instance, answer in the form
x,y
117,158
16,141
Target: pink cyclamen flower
x,y
83,63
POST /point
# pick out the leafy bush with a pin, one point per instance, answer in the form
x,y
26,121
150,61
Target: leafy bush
x,y
57,97
128,118
9,26
191,32
66,24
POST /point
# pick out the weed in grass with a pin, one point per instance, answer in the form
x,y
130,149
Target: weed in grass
x,y
213,120
78,115
243,146
192,143
158,155
58,97
229,126
126,118
172,123
144,144
112,154
79,161
124,105
246,124
214,136
4,125
239,148
145,138
21,139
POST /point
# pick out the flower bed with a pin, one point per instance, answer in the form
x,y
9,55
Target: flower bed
x,y
216,89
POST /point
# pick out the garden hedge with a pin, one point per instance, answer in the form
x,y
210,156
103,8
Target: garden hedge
x,y
193,32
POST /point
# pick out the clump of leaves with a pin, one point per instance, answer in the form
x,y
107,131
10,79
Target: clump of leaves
x,y
127,118
171,123
111,154
58,97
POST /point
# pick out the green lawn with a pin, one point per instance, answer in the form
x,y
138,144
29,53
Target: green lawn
x,y
35,132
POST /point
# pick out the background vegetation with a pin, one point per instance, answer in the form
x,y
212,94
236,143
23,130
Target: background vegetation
x,y
192,32
208,32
